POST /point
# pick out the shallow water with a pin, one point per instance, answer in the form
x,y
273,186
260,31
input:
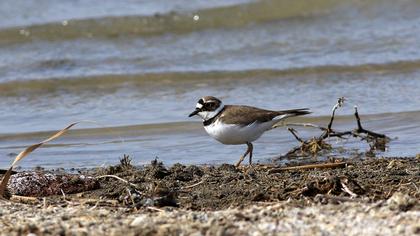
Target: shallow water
x,y
138,68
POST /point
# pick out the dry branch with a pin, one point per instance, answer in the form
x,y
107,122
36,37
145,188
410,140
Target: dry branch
x,y
316,144
310,166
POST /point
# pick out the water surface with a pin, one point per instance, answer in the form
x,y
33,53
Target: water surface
x,y
137,68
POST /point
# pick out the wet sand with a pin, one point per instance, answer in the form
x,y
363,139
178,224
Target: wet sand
x,y
364,196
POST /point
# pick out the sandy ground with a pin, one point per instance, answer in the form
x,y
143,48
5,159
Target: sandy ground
x,y
353,218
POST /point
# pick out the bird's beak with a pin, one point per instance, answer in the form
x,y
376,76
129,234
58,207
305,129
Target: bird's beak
x,y
194,112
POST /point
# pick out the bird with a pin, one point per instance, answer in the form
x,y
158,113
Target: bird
x,y
239,124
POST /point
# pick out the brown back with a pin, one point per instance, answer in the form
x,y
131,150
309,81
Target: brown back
x,y
245,115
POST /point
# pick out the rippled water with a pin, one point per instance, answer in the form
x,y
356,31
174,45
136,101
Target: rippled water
x,y
137,68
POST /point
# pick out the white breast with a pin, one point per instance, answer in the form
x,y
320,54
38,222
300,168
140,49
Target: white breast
x,y
235,134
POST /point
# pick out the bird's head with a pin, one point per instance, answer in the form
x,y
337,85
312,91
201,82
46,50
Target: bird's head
x,y
207,107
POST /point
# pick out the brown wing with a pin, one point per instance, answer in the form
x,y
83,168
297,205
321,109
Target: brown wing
x,y
246,115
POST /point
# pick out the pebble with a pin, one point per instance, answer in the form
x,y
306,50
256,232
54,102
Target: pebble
x,y
140,221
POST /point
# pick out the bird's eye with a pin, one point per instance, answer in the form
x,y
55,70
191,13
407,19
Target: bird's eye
x,y
210,104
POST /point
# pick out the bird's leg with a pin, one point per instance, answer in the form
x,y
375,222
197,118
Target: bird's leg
x,y
248,150
251,148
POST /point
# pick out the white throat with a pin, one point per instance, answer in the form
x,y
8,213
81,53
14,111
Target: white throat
x,y
207,115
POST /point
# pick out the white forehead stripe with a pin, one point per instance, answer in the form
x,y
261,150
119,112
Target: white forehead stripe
x,y
199,106
206,115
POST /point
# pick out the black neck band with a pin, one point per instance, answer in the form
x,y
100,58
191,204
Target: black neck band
x,y
211,120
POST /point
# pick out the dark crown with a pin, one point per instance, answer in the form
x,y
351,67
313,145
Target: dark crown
x,y
209,103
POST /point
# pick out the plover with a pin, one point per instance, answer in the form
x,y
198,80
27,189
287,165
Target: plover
x,y
239,124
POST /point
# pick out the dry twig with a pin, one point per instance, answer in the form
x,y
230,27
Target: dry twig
x,y
315,145
311,166
119,178
193,185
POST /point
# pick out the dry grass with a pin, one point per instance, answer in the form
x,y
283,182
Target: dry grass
x,y
25,153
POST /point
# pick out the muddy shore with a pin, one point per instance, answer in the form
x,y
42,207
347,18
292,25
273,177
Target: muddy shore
x,y
364,196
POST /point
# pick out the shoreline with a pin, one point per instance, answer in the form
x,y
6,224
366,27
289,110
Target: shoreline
x,y
370,196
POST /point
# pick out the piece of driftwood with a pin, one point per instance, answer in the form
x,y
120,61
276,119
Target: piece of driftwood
x,y
310,166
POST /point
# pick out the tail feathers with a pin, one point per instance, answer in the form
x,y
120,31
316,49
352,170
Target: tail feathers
x,y
295,112
289,113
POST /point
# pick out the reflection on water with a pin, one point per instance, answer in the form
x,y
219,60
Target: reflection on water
x,y
139,67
